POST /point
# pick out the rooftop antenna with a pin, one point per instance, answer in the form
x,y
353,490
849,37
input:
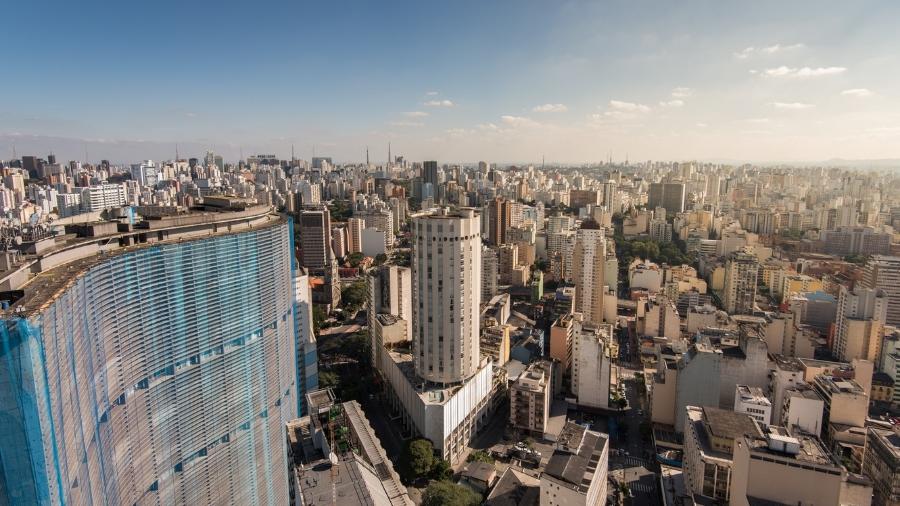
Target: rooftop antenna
x,y
176,152
389,153
85,154
367,155
14,152
542,162
292,152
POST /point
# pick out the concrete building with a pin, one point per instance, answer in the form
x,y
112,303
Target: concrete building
x,y
589,260
490,273
780,468
802,410
752,402
591,363
881,464
709,438
102,196
529,399
883,272
446,271
661,318
561,335
576,473
861,316
355,227
740,283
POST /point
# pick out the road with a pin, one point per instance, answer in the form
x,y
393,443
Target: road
x,y
636,466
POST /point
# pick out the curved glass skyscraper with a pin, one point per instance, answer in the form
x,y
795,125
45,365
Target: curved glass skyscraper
x,y
154,373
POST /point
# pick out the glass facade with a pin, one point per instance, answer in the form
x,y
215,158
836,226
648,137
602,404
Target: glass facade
x,y
164,375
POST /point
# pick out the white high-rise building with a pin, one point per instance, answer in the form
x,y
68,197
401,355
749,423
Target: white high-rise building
x,y
490,272
446,269
741,272
588,265
591,364
103,196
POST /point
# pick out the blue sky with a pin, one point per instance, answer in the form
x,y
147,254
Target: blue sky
x,y
457,81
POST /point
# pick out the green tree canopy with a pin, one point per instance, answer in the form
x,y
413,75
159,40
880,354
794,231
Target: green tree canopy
x,y
418,459
446,493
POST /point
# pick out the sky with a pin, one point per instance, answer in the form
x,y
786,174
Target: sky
x,y
456,81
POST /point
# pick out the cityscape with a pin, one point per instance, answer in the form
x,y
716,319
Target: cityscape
x,y
548,284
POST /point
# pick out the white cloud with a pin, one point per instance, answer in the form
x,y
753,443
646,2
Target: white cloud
x,y
518,121
415,114
747,52
487,126
431,93
440,103
682,92
702,125
406,124
550,108
672,103
628,106
784,71
857,92
796,106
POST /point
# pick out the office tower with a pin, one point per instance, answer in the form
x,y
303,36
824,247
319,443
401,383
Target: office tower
x,y
860,324
741,271
490,273
446,269
884,272
31,165
430,174
499,221
383,221
160,374
321,162
145,173
588,264
881,463
102,196
315,238
591,363
508,259
667,195
389,308
610,197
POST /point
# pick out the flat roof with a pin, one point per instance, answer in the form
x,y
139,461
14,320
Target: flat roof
x,y
728,424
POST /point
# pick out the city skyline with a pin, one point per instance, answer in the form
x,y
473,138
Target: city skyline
x,y
571,82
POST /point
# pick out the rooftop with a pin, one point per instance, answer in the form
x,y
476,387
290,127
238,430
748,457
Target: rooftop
x,y
577,456
515,488
727,424
61,265
809,448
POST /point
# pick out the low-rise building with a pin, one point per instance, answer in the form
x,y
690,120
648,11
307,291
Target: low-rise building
x,y
752,402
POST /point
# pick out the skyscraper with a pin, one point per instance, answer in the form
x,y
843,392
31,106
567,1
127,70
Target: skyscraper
x,y
162,373
315,238
589,262
446,270
741,271
667,195
430,173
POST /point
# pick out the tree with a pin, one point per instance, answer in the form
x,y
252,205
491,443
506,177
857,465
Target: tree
x,y
380,259
441,470
355,258
480,456
446,493
418,459
354,296
319,318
